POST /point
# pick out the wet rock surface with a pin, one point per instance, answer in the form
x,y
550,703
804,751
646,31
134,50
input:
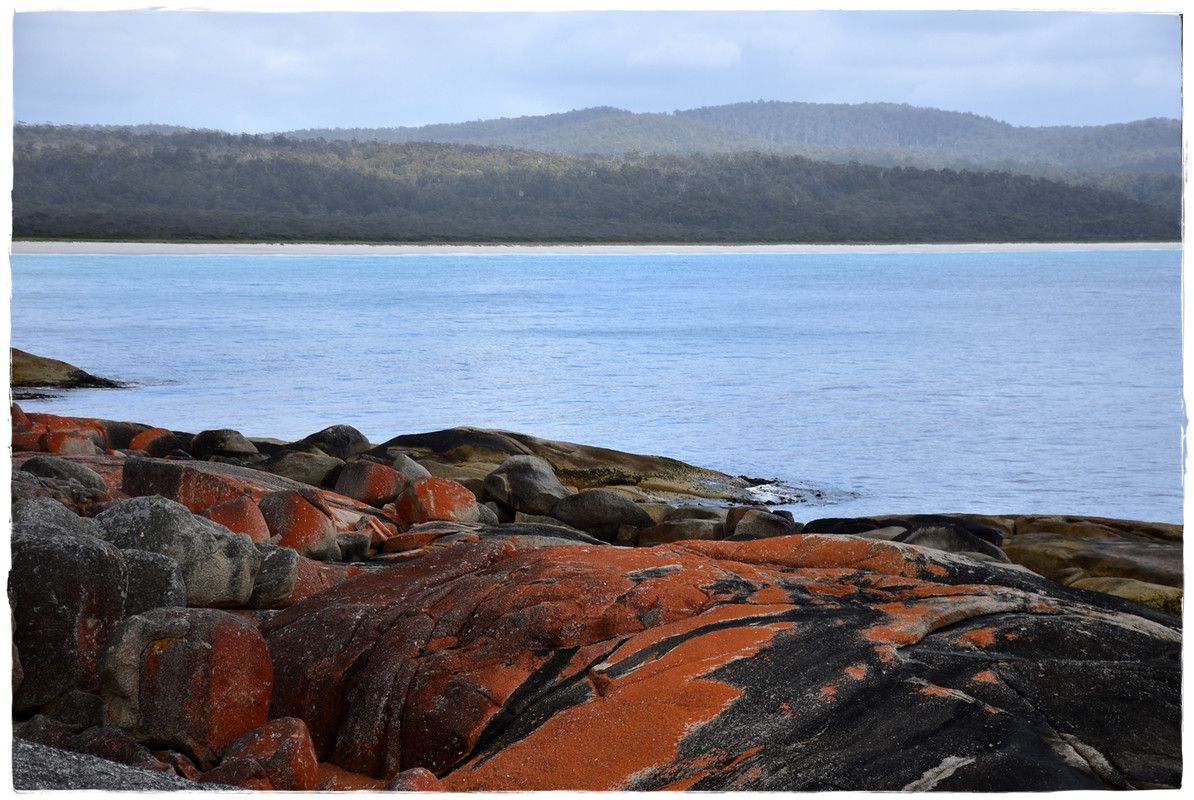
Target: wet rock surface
x,y
417,617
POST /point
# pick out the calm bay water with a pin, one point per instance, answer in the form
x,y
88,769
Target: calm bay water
x,y
1004,382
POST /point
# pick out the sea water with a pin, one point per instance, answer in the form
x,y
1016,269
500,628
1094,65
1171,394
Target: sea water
x,y
986,382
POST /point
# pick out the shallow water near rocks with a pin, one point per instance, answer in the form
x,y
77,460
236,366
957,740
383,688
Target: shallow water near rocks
x,y
1001,382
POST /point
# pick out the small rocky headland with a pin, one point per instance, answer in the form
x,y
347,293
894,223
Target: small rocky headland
x,y
479,610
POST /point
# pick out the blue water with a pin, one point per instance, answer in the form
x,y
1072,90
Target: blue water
x,y
1005,382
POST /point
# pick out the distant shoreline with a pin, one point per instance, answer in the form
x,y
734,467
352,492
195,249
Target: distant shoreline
x,y
201,248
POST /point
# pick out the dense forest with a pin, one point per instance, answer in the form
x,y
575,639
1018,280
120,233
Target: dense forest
x,y
1142,159
176,184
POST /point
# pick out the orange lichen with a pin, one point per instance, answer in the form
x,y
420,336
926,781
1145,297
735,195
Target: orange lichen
x,y
656,706
857,672
986,676
979,637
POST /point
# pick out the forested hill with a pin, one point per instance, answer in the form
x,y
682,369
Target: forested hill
x,y
1142,159
171,184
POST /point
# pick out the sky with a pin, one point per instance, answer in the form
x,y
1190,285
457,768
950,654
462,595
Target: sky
x,y
270,72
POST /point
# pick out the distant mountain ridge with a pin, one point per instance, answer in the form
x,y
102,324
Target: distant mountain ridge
x,y
1141,159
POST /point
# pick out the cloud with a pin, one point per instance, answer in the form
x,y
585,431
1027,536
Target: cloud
x,y
284,71
699,50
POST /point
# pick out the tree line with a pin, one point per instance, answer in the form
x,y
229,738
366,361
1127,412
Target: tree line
x,y
128,184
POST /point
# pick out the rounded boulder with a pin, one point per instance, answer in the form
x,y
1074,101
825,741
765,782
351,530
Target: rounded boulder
x,y
284,750
527,484
432,499
217,565
188,679
600,513
370,483
297,520
67,593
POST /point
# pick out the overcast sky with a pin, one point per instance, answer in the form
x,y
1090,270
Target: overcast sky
x,y
265,72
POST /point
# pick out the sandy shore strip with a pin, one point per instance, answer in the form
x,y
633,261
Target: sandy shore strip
x,y
312,249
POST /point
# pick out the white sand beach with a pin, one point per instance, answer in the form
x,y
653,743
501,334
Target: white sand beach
x,y
198,248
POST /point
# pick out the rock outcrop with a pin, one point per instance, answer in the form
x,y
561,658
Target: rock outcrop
x,y
28,371
469,450
477,610
794,663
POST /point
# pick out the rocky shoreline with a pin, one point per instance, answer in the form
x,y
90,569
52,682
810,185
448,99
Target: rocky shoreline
x,y
479,610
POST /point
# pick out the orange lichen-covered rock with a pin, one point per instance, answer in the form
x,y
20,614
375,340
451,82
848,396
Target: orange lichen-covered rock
x,y
315,576
68,443
789,663
297,521
156,442
181,482
27,441
283,748
93,429
190,679
431,499
370,482
240,515
20,421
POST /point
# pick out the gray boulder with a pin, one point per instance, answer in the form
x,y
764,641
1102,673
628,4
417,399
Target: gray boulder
x,y
64,469
67,594
677,530
525,483
312,468
409,467
276,579
223,442
339,441
759,524
155,581
36,767
32,515
354,546
217,565
600,513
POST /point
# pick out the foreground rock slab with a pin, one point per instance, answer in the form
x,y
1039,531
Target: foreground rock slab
x,y
36,767
792,663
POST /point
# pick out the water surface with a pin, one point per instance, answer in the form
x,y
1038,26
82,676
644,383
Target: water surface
x,y
1003,382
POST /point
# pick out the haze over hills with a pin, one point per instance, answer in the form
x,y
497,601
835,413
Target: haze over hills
x,y
1142,159
750,172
